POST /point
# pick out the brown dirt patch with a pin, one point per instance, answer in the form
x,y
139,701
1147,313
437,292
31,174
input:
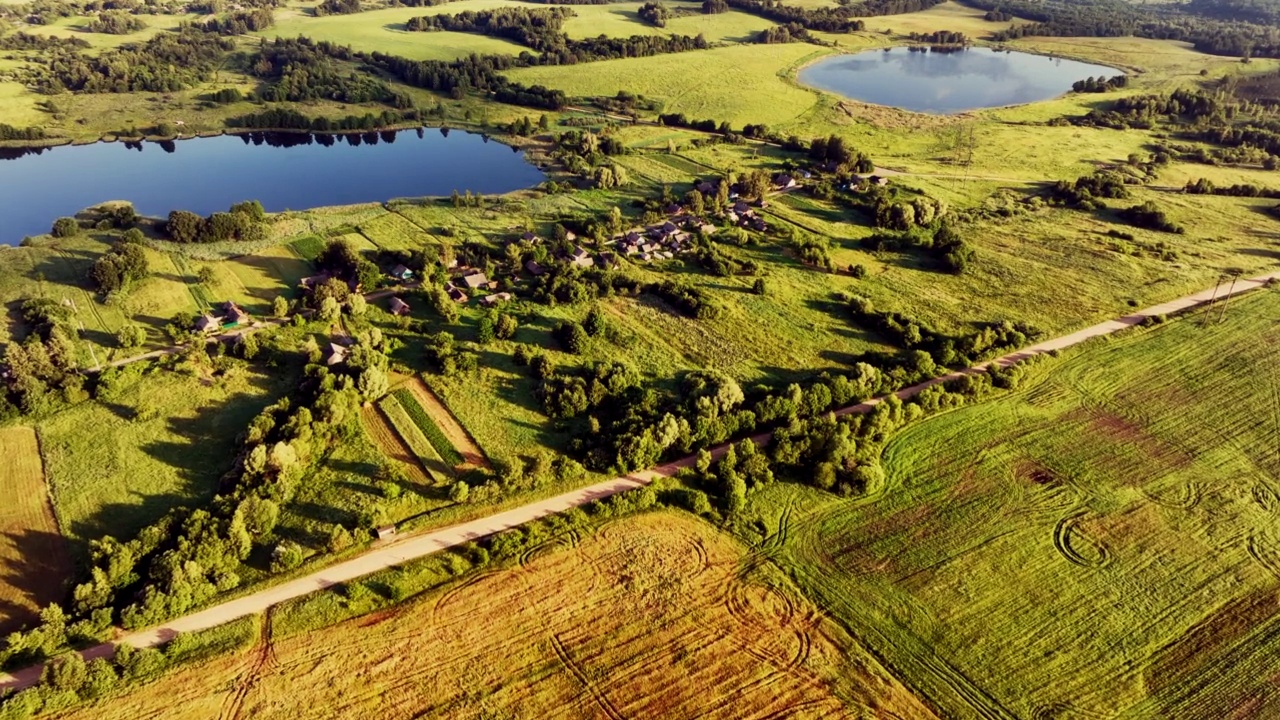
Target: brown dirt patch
x,y
34,563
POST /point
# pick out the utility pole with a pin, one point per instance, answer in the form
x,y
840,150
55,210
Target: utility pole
x,y
1204,319
1223,311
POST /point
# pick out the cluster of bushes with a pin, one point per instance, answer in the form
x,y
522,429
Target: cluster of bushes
x,y
299,71
9,132
121,266
246,222
782,34
290,119
655,14
1100,84
240,22
1204,186
1087,192
165,63
941,37
572,285
568,395
347,269
42,370
938,349
686,299
943,245
812,250
338,7
711,258
117,22
922,211
444,357
1149,216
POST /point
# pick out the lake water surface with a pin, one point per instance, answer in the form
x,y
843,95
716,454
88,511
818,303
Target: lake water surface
x,y
283,171
948,82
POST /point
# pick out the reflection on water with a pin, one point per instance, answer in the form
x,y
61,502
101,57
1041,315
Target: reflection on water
x,y
282,170
948,82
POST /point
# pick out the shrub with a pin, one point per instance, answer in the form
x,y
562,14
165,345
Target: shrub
x,y
65,227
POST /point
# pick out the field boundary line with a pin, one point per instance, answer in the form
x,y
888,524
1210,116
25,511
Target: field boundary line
x,y
410,547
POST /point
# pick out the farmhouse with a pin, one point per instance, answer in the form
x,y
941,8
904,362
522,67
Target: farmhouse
x,y
475,280
530,238
581,258
208,324
455,293
400,272
398,306
337,354
783,181
534,268
494,299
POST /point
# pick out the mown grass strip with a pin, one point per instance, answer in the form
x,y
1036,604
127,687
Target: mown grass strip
x,y
307,248
403,424
428,427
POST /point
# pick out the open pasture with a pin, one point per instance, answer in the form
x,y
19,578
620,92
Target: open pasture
x,y
744,84
157,440
1101,543
383,31
34,565
78,27
585,627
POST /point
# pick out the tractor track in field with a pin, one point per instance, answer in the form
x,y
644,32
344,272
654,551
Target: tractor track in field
x,y
411,546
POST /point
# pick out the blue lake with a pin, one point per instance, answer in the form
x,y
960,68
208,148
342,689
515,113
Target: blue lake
x,y
283,171
948,82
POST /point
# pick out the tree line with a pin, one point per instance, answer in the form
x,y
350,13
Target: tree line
x,y
244,222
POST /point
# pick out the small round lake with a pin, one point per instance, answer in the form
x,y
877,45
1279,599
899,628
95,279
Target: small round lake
x,y
948,82
283,171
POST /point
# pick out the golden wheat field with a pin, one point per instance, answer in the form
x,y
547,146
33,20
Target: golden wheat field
x,y
33,557
657,615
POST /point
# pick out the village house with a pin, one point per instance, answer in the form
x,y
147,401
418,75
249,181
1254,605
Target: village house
x,y
229,316
314,281
398,306
530,238
337,354
402,273
455,293
494,299
475,280
783,181
534,268
581,258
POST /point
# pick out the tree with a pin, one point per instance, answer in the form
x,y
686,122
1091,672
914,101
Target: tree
x,y
206,276
373,383
595,323
506,326
131,336
330,310
280,307
184,226
65,227
357,305
259,515
287,555
758,286
459,491
572,336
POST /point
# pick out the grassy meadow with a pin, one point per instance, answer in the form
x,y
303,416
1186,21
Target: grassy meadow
x,y
161,439
1101,542
585,626
34,565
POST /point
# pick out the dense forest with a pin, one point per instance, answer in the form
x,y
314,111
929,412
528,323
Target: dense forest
x,y
1116,18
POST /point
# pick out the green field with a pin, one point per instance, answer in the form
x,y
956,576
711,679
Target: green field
x,y
1100,543
163,439
745,84
383,30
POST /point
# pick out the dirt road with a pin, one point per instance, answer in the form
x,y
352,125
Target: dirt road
x,y
383,556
